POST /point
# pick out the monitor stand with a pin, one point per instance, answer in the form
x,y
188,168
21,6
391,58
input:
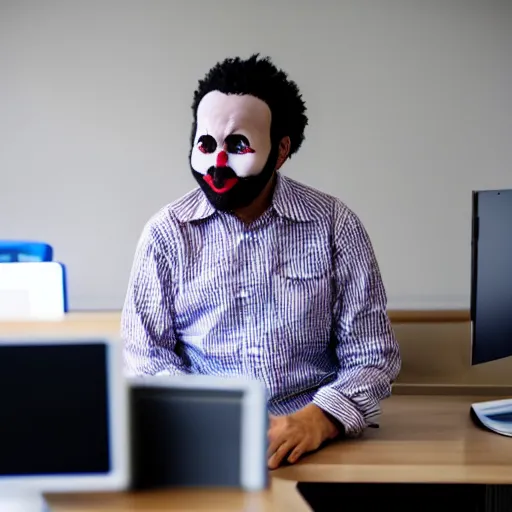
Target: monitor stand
x,y
23,501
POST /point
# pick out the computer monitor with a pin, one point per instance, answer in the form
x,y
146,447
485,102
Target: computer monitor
x,y
199,431
63,419
491,276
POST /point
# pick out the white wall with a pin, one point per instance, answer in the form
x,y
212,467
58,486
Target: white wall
x,y
409,102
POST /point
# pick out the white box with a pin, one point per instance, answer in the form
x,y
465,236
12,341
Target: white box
x,y
32,291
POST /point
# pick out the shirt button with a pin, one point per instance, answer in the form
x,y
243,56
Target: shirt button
x,y
254,351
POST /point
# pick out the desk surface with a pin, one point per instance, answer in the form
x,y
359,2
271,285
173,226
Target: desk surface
x,y
425,439
421,439
79,323
172,500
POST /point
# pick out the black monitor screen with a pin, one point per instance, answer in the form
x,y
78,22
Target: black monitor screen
x,y
202,448
54,409
491,287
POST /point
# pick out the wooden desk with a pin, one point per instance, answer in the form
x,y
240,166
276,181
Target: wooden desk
x,y
422,439
77,324
425,439
172,500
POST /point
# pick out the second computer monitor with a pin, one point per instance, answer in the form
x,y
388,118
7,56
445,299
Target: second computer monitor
x,y
199,431
491,276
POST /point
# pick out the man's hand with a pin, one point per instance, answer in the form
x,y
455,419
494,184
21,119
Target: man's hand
x,y
292,436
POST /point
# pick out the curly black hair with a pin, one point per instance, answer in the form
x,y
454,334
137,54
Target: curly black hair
x,y
260,78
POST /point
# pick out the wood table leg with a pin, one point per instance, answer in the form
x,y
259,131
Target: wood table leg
x,y
286,497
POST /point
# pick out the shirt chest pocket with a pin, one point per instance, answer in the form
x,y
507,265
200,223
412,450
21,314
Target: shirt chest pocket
x,y
302,294
304,264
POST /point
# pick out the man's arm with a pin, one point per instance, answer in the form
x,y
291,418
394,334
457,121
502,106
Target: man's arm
x,y
367,349
147,326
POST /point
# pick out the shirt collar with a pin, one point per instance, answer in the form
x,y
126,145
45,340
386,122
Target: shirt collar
x,y
289,201
193,206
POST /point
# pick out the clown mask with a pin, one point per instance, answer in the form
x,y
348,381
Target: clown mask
x,y
232,157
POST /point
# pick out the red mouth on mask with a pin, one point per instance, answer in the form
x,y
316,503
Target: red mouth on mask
x,y
228,184
221,178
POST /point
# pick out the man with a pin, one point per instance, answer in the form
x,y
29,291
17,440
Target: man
x,y
253,273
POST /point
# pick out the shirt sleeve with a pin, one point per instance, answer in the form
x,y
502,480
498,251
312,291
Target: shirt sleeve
x,y
147,328
367,349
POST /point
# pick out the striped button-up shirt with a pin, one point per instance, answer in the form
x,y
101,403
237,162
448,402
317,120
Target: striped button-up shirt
x,y
294,299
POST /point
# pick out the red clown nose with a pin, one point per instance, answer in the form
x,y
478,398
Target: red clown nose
x,y
222,159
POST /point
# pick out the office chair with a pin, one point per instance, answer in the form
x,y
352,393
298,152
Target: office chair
x,y
23,251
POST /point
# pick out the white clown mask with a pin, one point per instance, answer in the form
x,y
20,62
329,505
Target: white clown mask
x,y
232,131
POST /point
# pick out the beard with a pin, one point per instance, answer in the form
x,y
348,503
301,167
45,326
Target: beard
x,y
244,190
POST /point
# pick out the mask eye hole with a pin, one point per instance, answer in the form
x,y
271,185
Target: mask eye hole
x,y
238,144
206,144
